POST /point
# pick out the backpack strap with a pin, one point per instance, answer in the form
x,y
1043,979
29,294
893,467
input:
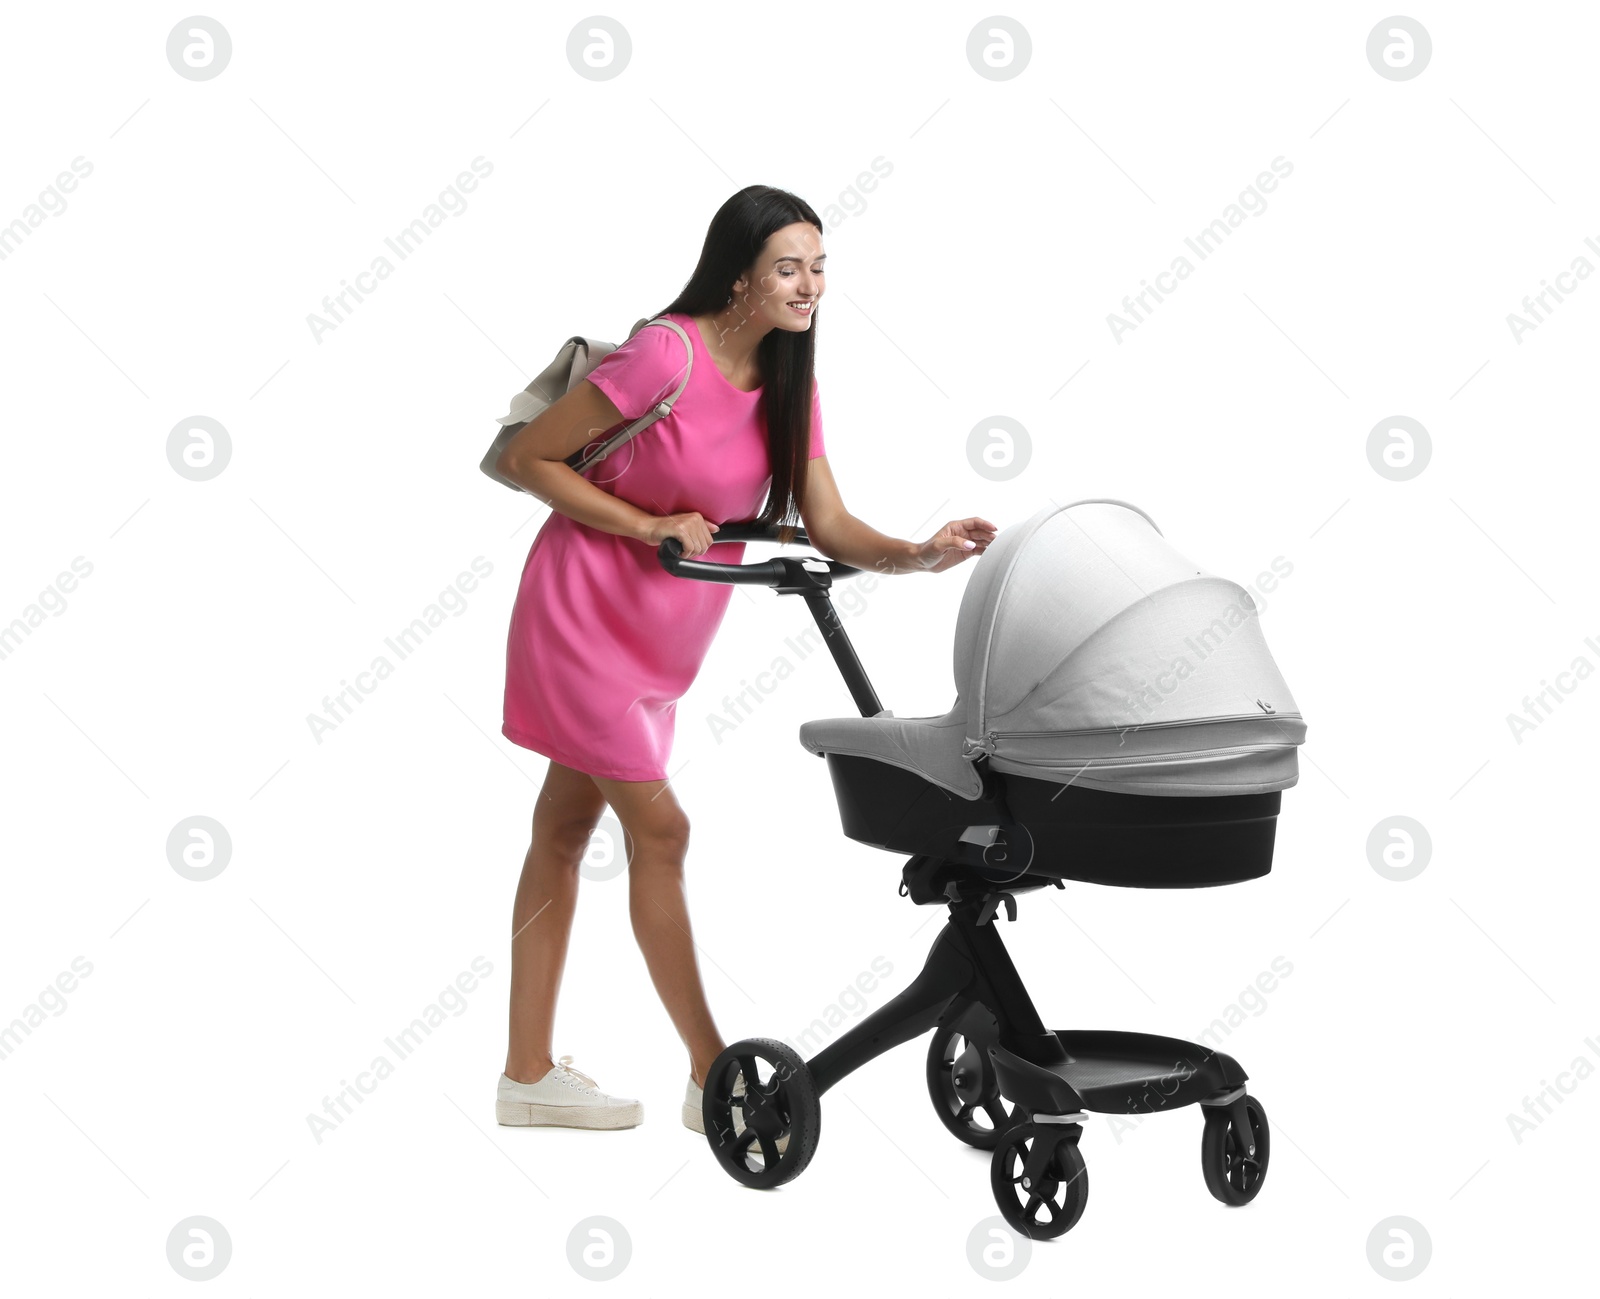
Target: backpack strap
x,y
581,460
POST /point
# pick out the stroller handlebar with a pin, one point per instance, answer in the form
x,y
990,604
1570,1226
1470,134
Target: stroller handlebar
x,y
769,572
808,576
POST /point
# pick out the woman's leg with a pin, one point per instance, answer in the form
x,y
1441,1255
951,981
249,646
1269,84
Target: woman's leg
x,y
658,834
568,808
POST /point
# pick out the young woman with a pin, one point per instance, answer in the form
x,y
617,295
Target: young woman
x,y
604,641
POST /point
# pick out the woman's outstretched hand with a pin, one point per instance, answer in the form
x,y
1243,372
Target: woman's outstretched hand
x,y
957,540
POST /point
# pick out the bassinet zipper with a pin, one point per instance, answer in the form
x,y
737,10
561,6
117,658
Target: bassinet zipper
x,y
1141,726
1146,760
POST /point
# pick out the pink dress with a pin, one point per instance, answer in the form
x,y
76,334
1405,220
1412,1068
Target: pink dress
x,y
603,640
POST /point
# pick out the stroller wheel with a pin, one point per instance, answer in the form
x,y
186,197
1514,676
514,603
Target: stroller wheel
x,y
1039,1178
1233,1173
762,1113
966,1092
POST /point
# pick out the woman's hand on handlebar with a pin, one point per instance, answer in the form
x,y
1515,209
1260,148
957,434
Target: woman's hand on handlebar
x,y
692,530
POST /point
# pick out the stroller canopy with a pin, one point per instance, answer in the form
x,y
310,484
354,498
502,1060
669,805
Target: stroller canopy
x,y
1089,651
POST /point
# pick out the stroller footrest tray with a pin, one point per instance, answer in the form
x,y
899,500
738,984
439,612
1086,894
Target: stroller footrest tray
x,y
1137,1073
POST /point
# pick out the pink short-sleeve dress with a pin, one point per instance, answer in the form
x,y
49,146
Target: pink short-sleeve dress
x,y
603,640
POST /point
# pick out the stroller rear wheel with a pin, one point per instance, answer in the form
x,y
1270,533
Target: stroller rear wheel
x,y
966,1091
1039,1178
1234,1166
762,1113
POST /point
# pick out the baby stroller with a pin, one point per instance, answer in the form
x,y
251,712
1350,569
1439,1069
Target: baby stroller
x,y
1118,721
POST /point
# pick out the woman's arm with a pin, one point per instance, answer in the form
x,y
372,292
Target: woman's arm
x,y
837,533
535,458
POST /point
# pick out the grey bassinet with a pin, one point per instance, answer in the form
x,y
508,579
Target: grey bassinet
x,y
1106,686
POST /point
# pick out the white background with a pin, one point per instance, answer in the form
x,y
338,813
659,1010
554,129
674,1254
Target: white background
x,y
369,870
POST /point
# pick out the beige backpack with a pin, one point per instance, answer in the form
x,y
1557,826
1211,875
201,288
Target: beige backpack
x,y
578,356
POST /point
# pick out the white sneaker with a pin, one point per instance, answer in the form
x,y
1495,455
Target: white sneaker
x,y
694,1116
563,1098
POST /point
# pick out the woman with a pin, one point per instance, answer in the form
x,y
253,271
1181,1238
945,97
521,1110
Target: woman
x,y
604,641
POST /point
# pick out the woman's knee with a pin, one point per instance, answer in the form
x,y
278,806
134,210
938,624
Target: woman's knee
x,y
656,827
568,797
663,840
567,831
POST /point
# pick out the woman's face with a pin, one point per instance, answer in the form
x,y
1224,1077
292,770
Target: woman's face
x,y
784,285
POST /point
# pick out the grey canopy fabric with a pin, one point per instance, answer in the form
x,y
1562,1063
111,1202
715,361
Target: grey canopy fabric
x,y
1090,652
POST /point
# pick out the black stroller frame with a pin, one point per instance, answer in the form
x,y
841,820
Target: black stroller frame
x,y
989,1045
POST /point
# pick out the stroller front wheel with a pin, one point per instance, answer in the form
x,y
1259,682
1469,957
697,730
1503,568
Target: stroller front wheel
x,y
761,1111
1038,1170
1235,1164
966,1091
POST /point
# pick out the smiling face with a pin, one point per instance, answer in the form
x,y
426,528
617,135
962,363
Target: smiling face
x,y
782,289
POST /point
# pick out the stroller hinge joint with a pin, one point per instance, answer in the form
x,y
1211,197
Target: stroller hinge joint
x,y
991,905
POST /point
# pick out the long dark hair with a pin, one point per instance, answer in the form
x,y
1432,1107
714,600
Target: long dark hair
x,y
734,240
